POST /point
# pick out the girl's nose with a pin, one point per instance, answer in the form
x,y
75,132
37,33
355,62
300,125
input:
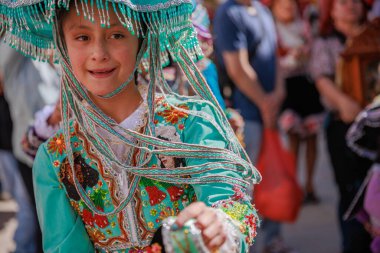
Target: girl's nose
x,y
100,51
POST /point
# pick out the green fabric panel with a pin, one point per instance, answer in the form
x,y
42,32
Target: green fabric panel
x,y
62,228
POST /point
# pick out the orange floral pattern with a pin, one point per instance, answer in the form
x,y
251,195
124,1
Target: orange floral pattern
x,y
95,234
173,115
56,144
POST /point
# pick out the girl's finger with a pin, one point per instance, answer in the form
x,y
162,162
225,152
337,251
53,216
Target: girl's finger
x,y
216,242
206,218
190,212
212,231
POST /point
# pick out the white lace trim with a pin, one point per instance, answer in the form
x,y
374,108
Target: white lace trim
x,y
232,243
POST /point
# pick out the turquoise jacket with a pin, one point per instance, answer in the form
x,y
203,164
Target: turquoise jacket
x,y
68,224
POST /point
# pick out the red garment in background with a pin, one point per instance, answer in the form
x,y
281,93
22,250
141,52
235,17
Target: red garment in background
x,y
278,196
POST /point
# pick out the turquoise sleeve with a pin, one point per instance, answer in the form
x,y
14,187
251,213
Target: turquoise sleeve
x,y
62,229
230,199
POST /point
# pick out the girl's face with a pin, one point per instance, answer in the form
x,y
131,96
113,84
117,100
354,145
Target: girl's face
x,y
168,161
350,11
284,10
101,58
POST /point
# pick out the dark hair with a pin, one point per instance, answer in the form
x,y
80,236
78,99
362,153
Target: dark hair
x,y
326,24
178,162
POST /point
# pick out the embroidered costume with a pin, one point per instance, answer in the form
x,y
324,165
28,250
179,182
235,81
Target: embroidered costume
x,y
152,202
108,186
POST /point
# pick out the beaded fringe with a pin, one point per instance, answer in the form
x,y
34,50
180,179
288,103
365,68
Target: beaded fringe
x,y
24,20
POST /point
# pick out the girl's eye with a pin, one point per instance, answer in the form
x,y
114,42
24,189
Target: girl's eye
x,y
82,38
117,36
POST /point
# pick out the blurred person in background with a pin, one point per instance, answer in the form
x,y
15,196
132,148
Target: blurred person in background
x,y
28,86
206,65
211,6
375,10
245,46
5,142
25,234
363,138
340,21
302,114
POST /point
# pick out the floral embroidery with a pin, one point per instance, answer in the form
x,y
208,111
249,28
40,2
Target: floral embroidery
x,y
251,221
101,220
87,176
56,163
87,217
239,208
159,100
239,194
234,209
167,212
175,192
155,195
95,234
150,224
56,145
91,219
154,248
173,115
98,197
75,205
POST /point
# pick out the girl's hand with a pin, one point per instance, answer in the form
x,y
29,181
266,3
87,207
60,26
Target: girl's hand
x,y
207,221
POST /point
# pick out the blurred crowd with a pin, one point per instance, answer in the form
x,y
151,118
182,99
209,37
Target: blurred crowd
x,y
271,64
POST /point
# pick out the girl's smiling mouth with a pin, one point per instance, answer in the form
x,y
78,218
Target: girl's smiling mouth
x,y
102,73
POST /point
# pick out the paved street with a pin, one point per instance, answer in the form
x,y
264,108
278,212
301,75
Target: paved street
x,y
315,231
8,225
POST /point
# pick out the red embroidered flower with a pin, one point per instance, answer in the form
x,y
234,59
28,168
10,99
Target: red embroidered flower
x,y
56,163
154,248
155,121
88,219
57,144
238,193
159,100
173,115
155,195
101,220
181,126
175,192
251,220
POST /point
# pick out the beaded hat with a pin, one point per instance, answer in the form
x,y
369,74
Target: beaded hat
x,y
166,30
29,23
